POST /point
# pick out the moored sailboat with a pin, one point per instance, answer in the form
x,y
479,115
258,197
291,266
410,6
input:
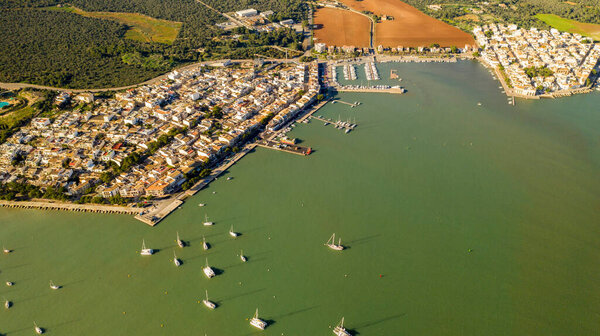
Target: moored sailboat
x,y
207,222
209,303
258,323
233,233
209,272
332,245
242,256
176,261
53,286
180,242
205,245
339,330
146,251
37,329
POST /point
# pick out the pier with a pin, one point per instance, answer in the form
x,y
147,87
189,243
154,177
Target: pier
x,y
347,103
338,124
293,149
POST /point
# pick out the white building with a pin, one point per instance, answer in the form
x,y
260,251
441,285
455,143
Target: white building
x,y
247,12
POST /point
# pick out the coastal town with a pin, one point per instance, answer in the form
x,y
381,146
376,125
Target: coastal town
x,y
536,62
148,141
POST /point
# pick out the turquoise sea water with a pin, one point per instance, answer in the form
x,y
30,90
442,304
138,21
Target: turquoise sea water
x,y
459,220
2,104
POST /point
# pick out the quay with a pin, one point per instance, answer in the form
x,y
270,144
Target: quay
x,y
293,149
47,205
373,90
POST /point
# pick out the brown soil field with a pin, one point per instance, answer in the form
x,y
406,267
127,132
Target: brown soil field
x,y
337,27
410,27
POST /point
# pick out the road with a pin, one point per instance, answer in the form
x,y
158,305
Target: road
x,y
18,86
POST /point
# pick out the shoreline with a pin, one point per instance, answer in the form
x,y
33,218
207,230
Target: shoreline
x,y
49,205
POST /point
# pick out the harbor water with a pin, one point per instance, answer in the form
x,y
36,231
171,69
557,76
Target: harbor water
x,y
458,218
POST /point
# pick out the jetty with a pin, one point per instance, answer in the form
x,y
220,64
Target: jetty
x,y
293,149
337,124
344,102
48,205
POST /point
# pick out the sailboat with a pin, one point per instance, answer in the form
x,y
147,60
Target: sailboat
x,y
206,222
176,261
209,303
332,245
180,242
208,271
242,256
6,250
146,251
339,330
7,304
9,283
37,329
53,286
205,245
233,233
258,323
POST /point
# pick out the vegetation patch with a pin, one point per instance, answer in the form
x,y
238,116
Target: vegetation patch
x,y
140,27
571,26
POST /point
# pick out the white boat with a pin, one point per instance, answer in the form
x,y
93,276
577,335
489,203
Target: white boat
x,y
208,271
206,222
146,251
233,233
9,283
7,304
176,261
53,286
332,245
204,244
37,329
179,241
209,303
201,204
242,256
229,178
339,330
258,323
6,250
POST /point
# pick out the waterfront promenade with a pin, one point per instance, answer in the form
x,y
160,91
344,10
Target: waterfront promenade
x,y
50,205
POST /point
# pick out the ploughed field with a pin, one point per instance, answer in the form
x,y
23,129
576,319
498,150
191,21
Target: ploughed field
x,y
338,27
410,27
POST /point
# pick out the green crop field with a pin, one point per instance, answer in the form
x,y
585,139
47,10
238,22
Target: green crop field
x,y
141,27
571,26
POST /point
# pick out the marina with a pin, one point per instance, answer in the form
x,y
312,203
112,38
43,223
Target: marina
x,y
420,196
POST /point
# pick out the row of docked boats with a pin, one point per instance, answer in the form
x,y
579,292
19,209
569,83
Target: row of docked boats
x,y
349,72
371,71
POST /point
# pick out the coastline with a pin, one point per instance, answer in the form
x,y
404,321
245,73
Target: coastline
x,y
50,205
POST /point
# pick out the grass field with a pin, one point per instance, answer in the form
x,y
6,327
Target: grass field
x,y
141,27
571,26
